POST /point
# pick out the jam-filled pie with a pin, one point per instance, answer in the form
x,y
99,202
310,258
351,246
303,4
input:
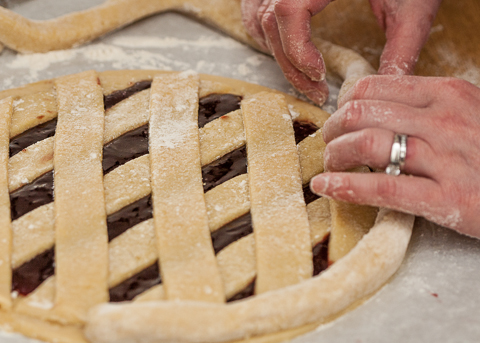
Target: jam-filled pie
x,y
148,206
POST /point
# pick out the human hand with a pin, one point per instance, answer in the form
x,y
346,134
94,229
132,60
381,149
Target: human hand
x,y
442,120
282,27
407,25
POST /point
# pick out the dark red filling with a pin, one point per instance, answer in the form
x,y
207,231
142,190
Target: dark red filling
x,y
214,106
117,96
136,285
32,195
123,149
27,277
32,136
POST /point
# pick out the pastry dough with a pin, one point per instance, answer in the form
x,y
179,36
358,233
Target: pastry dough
x,y
5,221
80,219
188,266
151,316
279,215
24,35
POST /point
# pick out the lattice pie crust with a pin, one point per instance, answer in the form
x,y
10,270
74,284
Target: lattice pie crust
x,y
190,303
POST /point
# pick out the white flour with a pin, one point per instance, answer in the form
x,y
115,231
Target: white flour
x,y
138,52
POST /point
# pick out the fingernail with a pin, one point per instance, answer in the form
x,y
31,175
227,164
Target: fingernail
x,y
315,74
318,184
316,96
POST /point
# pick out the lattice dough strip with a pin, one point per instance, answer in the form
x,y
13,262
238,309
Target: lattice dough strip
x,y
187,262
350,222
31,163
33,234
6,109
227,202
127,115
131,252
32,110
131,181
135,250
216,139
81,242
279,216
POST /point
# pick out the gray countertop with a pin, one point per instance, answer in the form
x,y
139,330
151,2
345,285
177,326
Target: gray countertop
x,y
434,297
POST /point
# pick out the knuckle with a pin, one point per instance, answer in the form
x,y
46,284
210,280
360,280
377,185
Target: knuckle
x,y
328,158
387,188
362,86
366,143
268,21
351,115
283,8
455,86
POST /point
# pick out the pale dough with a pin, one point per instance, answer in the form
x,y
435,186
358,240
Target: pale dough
x,y
24,35
279,216
81,242
187,260
5,219
133,250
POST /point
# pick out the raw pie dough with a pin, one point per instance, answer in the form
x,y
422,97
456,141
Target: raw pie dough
x,y
27,36
189,306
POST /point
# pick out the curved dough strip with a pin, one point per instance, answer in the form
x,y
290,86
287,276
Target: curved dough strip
x,y
24,35
358,274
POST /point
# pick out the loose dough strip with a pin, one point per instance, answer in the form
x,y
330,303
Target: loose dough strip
x,y
5,219
279,216
187,261
345,63
81,242
25,35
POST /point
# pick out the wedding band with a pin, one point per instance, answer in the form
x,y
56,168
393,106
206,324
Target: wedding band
x,y
397,155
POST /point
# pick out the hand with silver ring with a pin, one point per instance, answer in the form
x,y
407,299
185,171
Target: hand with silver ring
x,y
397,155
440,177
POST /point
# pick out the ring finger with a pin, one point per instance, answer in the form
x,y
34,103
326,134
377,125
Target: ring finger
x,y
372,147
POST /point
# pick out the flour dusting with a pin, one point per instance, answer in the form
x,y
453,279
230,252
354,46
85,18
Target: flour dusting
x,y
170,42
139,52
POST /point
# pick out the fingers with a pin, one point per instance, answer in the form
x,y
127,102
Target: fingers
x,y
317,91
415,91
360,114
372,147
407,28
250,20
409,194
293,20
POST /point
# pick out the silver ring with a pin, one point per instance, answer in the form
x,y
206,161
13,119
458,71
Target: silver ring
x,y
397,155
